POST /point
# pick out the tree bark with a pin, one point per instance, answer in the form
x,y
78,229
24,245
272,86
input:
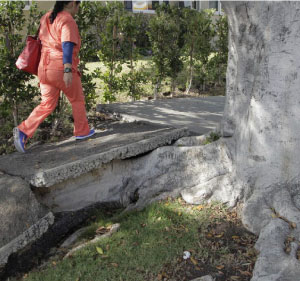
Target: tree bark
x,y
191,72
257,159
261,118
156,88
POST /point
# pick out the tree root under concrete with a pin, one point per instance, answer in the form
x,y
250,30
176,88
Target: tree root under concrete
x,y
207,173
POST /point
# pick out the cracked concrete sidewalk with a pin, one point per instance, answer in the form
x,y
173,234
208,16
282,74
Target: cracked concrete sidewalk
x,y
59,170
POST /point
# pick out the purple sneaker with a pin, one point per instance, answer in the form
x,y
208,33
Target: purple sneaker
x,y
92,131
19,140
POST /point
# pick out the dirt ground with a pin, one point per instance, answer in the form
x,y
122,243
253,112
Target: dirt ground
x,y
226,233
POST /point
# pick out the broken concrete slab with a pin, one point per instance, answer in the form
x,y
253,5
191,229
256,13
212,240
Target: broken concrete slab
x,y
50,164
22,218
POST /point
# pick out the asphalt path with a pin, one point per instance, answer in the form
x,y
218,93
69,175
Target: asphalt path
x,y
199,115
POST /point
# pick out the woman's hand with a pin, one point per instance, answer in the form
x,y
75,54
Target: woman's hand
x,y
68,74
68,79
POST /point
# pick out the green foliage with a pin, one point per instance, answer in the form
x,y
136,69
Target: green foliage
x,y
222,38
112,83
132,81
164,33
218,64
142,40
198,37
211,138
110,50
15,89
88,18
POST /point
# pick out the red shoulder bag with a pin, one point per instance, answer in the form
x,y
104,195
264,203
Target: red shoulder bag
x,y
29,59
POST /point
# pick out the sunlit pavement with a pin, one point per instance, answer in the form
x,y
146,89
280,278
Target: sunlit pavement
x,y
200,115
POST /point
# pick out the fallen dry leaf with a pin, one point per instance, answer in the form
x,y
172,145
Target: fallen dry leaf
x,y
101,230
246,273
193,261
220,267
291,239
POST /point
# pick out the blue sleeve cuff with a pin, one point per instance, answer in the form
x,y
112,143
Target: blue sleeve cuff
x,y
67,48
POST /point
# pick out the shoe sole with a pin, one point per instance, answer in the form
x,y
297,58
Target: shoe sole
x,y
17,140
85,137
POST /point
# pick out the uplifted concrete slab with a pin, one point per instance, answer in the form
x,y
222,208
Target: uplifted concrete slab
x,y
47,165
199,114
22,218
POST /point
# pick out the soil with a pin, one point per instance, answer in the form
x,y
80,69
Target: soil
x,y
235,265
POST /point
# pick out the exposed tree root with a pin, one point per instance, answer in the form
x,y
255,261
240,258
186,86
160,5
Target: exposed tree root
x,y
205,173
271,213
202,173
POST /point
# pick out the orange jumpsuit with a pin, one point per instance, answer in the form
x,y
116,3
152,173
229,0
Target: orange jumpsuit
x,y
50,73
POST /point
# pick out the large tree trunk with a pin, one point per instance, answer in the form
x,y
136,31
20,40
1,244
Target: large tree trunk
x,y
261,118
257,160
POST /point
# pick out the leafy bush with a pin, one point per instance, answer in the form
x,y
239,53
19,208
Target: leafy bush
x,y
17,94
164,34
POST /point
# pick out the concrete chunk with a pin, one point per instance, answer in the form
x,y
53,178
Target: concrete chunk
x,y
22,218
47,165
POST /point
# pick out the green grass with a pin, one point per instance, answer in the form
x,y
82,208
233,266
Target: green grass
x,y
145,242
211,138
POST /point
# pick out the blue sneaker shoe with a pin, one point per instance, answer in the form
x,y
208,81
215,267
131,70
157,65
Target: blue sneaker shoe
x,y
19,140
92,131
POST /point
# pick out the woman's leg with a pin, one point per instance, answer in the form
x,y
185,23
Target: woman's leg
x,y
75,95
50,96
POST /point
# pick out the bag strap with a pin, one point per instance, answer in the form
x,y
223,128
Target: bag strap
x,y
38,31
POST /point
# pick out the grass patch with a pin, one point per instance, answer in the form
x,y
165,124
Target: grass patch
x,y
212,138
150,246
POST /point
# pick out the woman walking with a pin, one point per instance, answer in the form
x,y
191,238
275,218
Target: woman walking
x,y
57,72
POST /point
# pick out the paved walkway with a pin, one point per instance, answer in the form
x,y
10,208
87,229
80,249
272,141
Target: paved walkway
x,y
199,115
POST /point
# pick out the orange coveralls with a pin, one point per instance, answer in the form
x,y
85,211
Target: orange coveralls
x,y
50,74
